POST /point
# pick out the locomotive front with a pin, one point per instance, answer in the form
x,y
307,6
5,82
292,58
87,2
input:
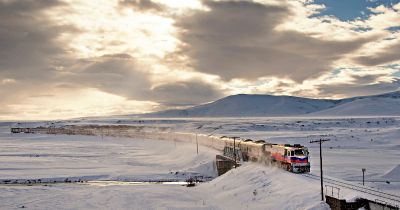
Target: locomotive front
x,y
297,157
292,158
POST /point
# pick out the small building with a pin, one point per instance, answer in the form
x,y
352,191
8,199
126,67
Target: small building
x,y
21,130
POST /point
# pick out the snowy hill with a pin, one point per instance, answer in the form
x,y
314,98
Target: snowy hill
x,y
365,107
243,105
252,105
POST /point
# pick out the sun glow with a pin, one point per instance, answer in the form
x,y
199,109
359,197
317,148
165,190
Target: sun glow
x,y
79,103
106,28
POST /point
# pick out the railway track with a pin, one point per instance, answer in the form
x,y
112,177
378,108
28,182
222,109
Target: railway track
x,y
388,197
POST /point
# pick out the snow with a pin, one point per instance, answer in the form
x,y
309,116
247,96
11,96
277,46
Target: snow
x,y
393,174
367,142
248,187
364,107
50,158
265,188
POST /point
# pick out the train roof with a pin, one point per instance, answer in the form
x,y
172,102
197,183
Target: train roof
x,y
289,146
261,142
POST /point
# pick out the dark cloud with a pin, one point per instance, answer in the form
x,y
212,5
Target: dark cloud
x,y
186,93
28,41
119,75
29,50
237,39
142,5
359,88
26,7
389,54
119,55
367,79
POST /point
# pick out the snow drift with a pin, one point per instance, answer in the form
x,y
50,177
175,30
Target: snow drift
x,y
393,174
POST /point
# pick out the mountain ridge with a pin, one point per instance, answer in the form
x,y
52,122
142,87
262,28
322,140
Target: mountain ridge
x,y
252,105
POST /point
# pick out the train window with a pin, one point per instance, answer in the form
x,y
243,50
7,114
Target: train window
x,y
291,153
299,152
305,152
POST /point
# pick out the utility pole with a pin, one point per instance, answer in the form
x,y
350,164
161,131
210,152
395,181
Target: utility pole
x,y
320,163
234,149
363,171
197,141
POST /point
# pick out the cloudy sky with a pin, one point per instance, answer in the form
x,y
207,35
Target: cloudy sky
x,y
71,58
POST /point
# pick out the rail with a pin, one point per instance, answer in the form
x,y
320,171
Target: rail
x,y
366,190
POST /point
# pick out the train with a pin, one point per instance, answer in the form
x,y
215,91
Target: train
x,y
293,158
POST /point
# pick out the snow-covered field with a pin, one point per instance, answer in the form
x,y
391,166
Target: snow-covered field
x,y
371,143
57,157
248,187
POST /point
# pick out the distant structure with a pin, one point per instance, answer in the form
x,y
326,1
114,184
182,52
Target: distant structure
x,y
21,130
